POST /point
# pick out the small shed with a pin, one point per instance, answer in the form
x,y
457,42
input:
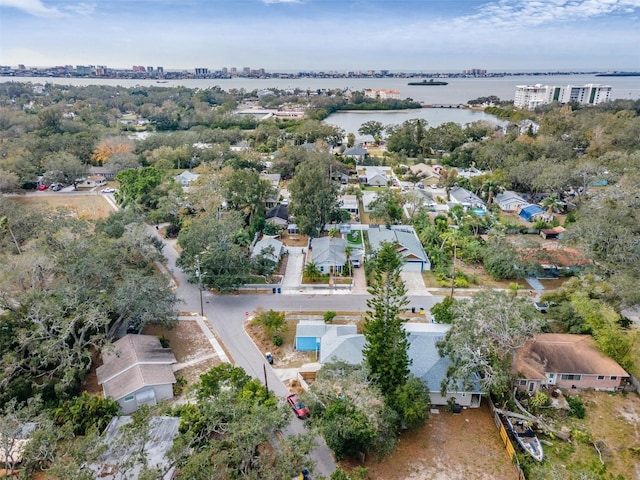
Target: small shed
x,y
530,212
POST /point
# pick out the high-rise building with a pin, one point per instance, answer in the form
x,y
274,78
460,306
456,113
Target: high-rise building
x,y
149,69
532,96
160,69
246,70
225,70
202,71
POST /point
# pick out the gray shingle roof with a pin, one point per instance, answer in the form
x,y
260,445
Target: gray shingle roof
x,y
463,196
135,361
329,250
403,237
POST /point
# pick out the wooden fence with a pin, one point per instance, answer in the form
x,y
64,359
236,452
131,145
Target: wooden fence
x,y
508,444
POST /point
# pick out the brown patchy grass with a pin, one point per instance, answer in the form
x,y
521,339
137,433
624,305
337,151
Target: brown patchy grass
x,y
447,447
81,206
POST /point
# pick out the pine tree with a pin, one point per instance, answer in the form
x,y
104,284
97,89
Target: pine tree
x,y
386,346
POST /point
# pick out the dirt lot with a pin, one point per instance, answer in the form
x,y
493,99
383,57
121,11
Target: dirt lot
x,y
82,206
447,447
190,347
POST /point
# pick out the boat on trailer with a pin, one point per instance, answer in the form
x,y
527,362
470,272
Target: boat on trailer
x,y
526,437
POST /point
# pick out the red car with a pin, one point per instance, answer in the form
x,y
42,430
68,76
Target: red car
x,y
297,406
42,187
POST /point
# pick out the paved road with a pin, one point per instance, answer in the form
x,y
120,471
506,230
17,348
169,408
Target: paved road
x,y
227,314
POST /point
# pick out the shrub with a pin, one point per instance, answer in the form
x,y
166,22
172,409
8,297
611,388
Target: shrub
x,y
329,316
164,341
85,412
576,407
277,340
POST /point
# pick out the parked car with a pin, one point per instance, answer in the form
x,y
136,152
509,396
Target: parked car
x,y
297,406
541,307
108,190
42,187
56,187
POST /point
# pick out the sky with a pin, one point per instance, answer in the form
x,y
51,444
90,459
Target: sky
x,y
340,35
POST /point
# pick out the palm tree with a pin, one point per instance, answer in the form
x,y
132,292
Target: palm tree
x,y
348,250
552,204
312,271
4,224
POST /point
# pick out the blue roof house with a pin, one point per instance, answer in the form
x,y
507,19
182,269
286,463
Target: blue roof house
x,y
310,332
530,212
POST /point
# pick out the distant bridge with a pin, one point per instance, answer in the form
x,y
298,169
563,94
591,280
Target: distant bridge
x,y
444,105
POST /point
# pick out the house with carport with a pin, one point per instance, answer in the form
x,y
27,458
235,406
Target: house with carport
x,y
568,362
406,243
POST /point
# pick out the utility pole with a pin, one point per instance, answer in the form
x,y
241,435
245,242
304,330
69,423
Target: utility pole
x,y
198,274
266,385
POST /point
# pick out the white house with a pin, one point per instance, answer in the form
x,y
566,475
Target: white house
x,y
509,201
186,178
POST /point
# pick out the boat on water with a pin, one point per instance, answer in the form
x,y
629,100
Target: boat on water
x,y
431,82
525,436
162,81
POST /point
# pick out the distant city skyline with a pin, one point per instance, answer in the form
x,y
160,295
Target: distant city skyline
x,y
340,35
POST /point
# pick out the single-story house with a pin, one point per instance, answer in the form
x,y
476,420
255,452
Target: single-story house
x,y
374,176
531,212
349,203
425,170
427,364
186,178
555,260
158,441
278,215
273,178
329,253
568,362
242,146
509,201
309,333
92,181
528,126
406,242
271,247
342,344
462,196
137,371
357,153
102,171
341,177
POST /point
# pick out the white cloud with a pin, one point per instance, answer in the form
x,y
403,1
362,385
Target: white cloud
x,y
527,13
32,7
84,9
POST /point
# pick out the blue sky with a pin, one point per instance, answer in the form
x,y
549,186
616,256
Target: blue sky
x,y
291,35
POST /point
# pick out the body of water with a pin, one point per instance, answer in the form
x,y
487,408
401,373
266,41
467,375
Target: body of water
x,y
458,91
350,122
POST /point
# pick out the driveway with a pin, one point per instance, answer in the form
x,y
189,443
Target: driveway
x,y
414,283
295,264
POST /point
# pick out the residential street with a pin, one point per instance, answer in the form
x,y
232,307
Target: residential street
x,y
227,314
